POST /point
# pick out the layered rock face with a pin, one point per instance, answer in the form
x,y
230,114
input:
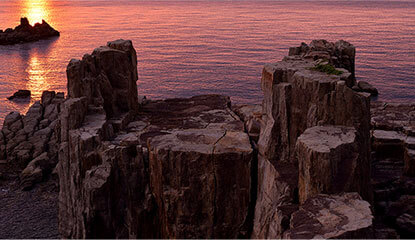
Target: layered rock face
x,y
27,33
297,98
184,164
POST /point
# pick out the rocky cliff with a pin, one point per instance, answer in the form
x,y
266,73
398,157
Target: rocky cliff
x,y
27,33
301,165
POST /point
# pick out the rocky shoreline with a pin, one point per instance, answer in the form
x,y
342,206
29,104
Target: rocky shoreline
x,y
27,33
316,159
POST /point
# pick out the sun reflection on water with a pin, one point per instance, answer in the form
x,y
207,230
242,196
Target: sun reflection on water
x,y
35,10
37,77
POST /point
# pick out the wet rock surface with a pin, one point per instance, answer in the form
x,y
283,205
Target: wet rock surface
x,y
27,33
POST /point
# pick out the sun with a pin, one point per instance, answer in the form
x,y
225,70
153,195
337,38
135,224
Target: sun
x,y
35,10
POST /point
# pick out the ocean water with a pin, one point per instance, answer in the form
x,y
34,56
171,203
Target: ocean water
x,y
187,48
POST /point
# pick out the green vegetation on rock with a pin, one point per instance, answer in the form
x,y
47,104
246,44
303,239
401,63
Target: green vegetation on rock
x,y
326,68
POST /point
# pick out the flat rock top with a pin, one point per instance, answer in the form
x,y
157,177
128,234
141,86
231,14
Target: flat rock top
x,y
302,68
390,136
393,116
203,124
325,138
330,216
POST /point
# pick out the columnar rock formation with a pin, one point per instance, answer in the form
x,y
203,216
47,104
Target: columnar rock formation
x,y
103,96
201,168
296,98
27,33
184,164
329,161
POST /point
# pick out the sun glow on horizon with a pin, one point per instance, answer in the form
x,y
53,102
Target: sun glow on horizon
x,y
35,10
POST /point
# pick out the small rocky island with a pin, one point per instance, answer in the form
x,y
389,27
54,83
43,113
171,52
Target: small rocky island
x,y
27,33
315,160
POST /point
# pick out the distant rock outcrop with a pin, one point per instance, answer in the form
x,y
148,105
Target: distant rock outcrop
x,y
27,33
20,94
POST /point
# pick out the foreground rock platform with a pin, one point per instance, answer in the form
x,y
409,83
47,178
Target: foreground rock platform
x,y
332,216
27,33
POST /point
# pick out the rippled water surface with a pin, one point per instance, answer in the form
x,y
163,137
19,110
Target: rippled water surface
x,y
189,48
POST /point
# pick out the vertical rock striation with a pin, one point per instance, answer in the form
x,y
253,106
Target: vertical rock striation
x,y
328,158
296,98
177,168
103,96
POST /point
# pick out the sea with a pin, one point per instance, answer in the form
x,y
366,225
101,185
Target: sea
x,y
186,48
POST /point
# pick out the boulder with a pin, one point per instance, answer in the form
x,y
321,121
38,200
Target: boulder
x,y
20,94
367,87
332,216
35,171
329,158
